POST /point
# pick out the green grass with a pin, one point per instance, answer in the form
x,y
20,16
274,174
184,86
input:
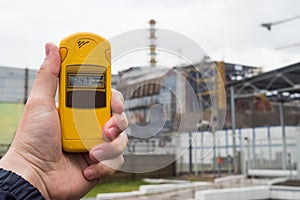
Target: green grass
x,y
10,115
116,187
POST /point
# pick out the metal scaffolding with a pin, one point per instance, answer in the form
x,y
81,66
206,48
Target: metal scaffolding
x,y
280,85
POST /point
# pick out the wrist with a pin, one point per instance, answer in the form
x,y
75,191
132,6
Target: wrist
x,y
16,187
15,163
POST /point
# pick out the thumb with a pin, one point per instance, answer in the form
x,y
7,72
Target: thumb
x,y
45,84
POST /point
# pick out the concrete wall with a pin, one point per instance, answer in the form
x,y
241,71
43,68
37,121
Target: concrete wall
x,y
247,193
144,166
250,193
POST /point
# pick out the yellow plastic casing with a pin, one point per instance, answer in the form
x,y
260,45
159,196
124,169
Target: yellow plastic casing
x,y
84,90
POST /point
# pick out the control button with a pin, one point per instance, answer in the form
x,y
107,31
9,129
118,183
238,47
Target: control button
x,y
63,53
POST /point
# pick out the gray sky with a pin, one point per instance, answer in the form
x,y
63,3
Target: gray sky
x,y
226,29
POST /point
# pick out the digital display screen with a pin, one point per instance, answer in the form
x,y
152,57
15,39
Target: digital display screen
x,y
95,81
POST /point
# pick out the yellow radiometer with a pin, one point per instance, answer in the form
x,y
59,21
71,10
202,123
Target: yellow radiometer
x,y
84,90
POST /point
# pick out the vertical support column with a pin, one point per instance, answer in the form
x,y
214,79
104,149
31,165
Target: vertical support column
x,y
269,143
254,147
282,123
26,77
298,156
227,152
190,154
214,152
248,156
202,153
243,152
240,138
226,142
195,153
232,104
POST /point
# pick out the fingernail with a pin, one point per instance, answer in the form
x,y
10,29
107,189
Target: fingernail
x,y
88,173
47,49
98,154
113,132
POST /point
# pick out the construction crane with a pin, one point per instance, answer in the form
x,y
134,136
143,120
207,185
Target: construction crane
x,y
270,24
288,46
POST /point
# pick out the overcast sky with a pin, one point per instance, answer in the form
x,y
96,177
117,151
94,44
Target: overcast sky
x,y
227,30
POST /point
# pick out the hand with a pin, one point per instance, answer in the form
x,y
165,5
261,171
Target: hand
x,y
36,152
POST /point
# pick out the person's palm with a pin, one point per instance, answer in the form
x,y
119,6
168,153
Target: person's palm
x,y
44,150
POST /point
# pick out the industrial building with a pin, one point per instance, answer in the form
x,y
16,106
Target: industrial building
x,y
174,89
180,116
160,103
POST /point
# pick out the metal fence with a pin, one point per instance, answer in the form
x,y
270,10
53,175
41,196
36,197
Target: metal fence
x,y
200,152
